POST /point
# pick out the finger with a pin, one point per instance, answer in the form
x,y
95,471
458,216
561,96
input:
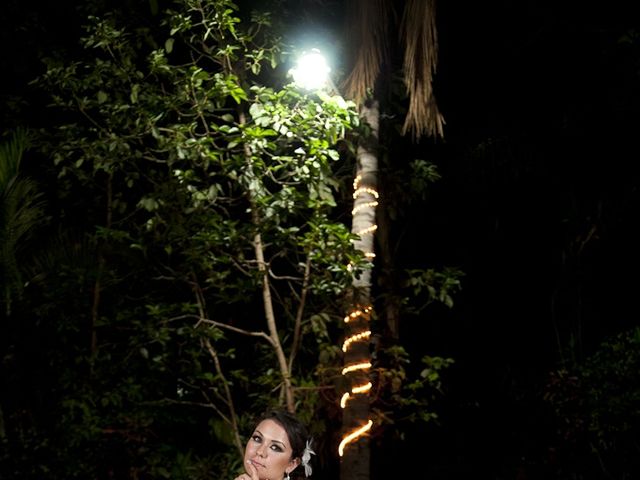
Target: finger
x,y
252,470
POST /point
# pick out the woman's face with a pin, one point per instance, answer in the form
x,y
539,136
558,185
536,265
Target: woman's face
x,y
269,451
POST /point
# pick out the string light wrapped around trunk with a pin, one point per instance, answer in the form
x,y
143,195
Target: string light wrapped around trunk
x,y
366,199
353,435
358,319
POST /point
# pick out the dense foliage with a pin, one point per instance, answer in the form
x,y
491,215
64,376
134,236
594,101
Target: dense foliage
x,y
597,408
193,212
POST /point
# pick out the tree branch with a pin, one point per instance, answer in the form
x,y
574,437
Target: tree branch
x,y
298,321
233,421
237,330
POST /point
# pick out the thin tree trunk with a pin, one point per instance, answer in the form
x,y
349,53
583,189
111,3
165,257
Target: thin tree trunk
x,y
97,290
97,286
3,432
267,301
233,418
297,329
271,317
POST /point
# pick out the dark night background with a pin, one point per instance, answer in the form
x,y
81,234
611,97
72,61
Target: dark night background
x,y
538,205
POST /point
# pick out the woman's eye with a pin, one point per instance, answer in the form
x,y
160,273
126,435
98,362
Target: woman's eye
x,y
276,448
256,438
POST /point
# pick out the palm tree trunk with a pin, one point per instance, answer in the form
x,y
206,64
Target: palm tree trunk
x,y
368,27
355,464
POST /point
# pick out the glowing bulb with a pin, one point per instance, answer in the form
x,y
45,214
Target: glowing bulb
x,y
363,206
371,191
353,435
357,366
358,313
367,230
362,388
311,71
356,182
355,338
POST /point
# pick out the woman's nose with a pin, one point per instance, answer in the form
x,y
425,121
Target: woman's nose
x,y
261,450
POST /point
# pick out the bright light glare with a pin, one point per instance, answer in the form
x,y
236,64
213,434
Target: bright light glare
x,y
311,71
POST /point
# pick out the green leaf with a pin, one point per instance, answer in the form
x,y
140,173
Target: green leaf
x,y
134,93
149,204
168,45
256,110
333,154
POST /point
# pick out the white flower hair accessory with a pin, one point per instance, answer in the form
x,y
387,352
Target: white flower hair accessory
x,y
306,458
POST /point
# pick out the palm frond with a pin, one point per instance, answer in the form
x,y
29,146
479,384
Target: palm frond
x,y
418,30
21,211
64,249
367,34
11,151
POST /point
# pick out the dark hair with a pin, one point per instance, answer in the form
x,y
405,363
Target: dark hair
x,y
296,430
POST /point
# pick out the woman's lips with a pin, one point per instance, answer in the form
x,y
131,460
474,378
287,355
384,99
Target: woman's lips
x,y
257,464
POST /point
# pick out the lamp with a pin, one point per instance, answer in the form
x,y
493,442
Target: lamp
x,y
311,71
